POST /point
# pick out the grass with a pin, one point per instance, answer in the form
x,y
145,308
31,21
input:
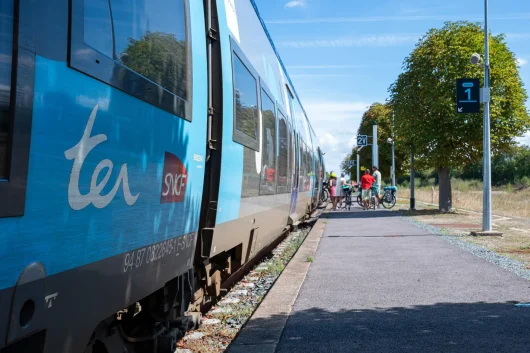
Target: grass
x,y
309,258
276,267
515,242
468,195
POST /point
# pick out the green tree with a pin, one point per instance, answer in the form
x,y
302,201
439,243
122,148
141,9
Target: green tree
x,y
509,167
423,97
160,57
380,114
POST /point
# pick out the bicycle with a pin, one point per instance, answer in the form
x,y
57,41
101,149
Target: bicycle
x,y
360,198
372,203
348,198
389,197
373,198
325,195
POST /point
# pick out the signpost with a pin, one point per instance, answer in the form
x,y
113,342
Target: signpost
x,y
362,140
467,95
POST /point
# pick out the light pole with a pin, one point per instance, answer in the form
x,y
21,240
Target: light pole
x,y
393,171
486,215
358,162
393,154
412,177
375,147
486,168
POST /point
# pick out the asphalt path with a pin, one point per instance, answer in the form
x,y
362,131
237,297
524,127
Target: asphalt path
x,y
380,284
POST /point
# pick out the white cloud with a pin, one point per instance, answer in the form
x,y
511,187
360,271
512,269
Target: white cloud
x,y
295,3
476,17
522,62
360,41
335,124
328,142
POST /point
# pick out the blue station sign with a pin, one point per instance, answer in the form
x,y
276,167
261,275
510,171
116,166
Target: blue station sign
x,y
467,95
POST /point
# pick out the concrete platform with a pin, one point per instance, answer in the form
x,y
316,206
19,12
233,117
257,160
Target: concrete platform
x,y
380,284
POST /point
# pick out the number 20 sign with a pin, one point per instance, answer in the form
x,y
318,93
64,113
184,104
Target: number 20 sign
x,y
467,95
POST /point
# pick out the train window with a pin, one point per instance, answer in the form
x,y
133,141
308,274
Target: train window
x,y
97,29
246,103
302,171
138,46
17,73
6,62
283,152
290,158
268,152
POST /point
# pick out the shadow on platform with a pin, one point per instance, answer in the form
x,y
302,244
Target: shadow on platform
x,y
381,213
443,327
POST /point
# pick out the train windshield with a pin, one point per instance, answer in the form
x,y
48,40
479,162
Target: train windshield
x,y
6,51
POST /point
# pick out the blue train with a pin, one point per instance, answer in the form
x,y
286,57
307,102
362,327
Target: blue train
x,y
149,149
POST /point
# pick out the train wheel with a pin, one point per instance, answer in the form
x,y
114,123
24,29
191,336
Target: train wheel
x,y
106,338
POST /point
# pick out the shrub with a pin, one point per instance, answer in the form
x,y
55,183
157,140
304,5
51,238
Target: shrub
x,y
525,181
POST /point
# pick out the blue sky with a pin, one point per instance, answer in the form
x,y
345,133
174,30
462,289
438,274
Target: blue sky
x,y
342,55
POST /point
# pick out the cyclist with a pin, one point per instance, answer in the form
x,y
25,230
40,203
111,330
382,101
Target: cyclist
x,y
377,185
366,184
333,189
339,191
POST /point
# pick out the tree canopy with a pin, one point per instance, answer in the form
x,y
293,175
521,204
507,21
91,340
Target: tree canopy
x,y
423,99
380,114
160,57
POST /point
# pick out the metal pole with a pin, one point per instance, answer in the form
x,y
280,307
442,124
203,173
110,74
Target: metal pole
x,y
375,152
412,176
358,163
358,160
393,154
393,166
486,207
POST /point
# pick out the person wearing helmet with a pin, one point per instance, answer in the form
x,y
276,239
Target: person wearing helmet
x,y
332,190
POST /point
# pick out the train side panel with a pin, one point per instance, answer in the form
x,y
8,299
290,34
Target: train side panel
x,y
253,208
114,183
267,176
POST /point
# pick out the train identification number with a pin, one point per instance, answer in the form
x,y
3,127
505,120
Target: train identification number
x,y
149,254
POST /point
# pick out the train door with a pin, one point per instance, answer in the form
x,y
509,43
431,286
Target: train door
x,y
294,161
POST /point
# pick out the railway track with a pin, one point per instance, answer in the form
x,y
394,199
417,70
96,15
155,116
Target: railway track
x,y
229,319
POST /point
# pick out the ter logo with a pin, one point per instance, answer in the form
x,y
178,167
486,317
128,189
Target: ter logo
x,y
174,180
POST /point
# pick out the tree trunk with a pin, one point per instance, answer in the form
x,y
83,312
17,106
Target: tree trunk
x,y
445,198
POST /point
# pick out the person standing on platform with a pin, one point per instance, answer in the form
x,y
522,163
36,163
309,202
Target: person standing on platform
x,y
377,185
332,190
366,184
339,192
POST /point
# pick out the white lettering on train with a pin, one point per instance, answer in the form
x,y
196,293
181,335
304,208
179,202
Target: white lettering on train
x,y
174,184
79,153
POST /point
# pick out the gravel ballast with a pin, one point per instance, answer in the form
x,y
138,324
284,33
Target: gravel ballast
x,y
506,263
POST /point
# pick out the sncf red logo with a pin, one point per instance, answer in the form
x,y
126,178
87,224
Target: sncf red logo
x,y
174,179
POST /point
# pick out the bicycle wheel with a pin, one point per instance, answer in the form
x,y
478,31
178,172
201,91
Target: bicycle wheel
x,y
348,202
325,195
360,200
389,202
